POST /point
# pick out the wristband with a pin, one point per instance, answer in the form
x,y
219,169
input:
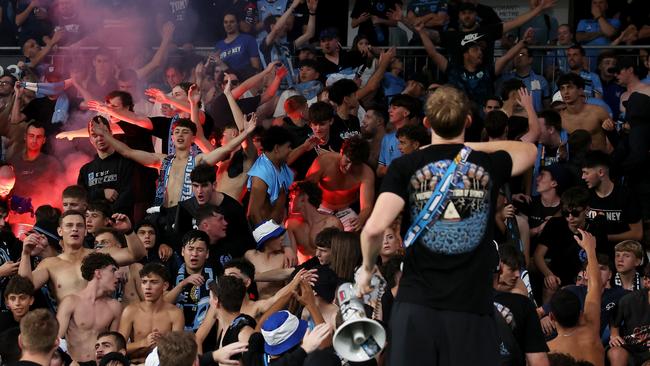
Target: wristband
x,y
129,232
310,13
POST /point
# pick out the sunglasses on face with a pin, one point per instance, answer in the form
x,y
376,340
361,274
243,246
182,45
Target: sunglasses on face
x,y
575,212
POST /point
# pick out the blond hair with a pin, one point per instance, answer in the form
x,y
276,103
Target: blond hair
x,y
447,110
631,246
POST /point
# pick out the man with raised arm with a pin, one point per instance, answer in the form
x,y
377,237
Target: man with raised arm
x,y
449,189
579,332
85,314
63,271
174,181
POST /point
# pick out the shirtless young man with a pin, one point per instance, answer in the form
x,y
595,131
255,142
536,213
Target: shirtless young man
x,y
306,222
581,116
345,179
85,314
63,271
128,290
579,334
230,178
174,169
269,254
245,271
144,322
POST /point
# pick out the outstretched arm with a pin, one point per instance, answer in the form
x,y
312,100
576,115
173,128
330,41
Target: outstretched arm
x,y
523,18
438,59
134,250
167,34
594,290
375,80
194,98
142,157
122,115
502,61
254,80
523,154
49,44
41,275
281,22
526,101
280,73
312,5
222,152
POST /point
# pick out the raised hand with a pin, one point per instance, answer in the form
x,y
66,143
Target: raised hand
x,y
121,222
528,35
312,339
587,241
167,31
194,95
281,72
99,129
271,66
525,99
387,56
156,95
98,107
250,123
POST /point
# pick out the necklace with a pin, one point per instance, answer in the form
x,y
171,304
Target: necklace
x,y
568,334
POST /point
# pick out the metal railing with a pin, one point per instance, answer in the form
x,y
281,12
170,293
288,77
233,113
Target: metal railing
x,y
414,58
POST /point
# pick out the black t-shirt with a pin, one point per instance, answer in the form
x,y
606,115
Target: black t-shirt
x,y
633,311
219,111
7,320
478,85
346,60
538,213
238,238
457,282
135,137
345,128
483,35
115,172
619,209
378,8
566,256
526,329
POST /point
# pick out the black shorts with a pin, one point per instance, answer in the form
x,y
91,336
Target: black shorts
x,y
420,335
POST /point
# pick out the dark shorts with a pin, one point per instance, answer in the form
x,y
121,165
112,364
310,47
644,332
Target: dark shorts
x,y
420,335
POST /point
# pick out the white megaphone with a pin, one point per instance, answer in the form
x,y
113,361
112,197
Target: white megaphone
x,y
358,339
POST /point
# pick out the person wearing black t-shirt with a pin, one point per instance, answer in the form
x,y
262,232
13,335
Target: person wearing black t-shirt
x,y
344,94
219,109
334,59
469,30
557,243
321,139
38,338
444,305
238,233
109,175
473,72
372,19
610,200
